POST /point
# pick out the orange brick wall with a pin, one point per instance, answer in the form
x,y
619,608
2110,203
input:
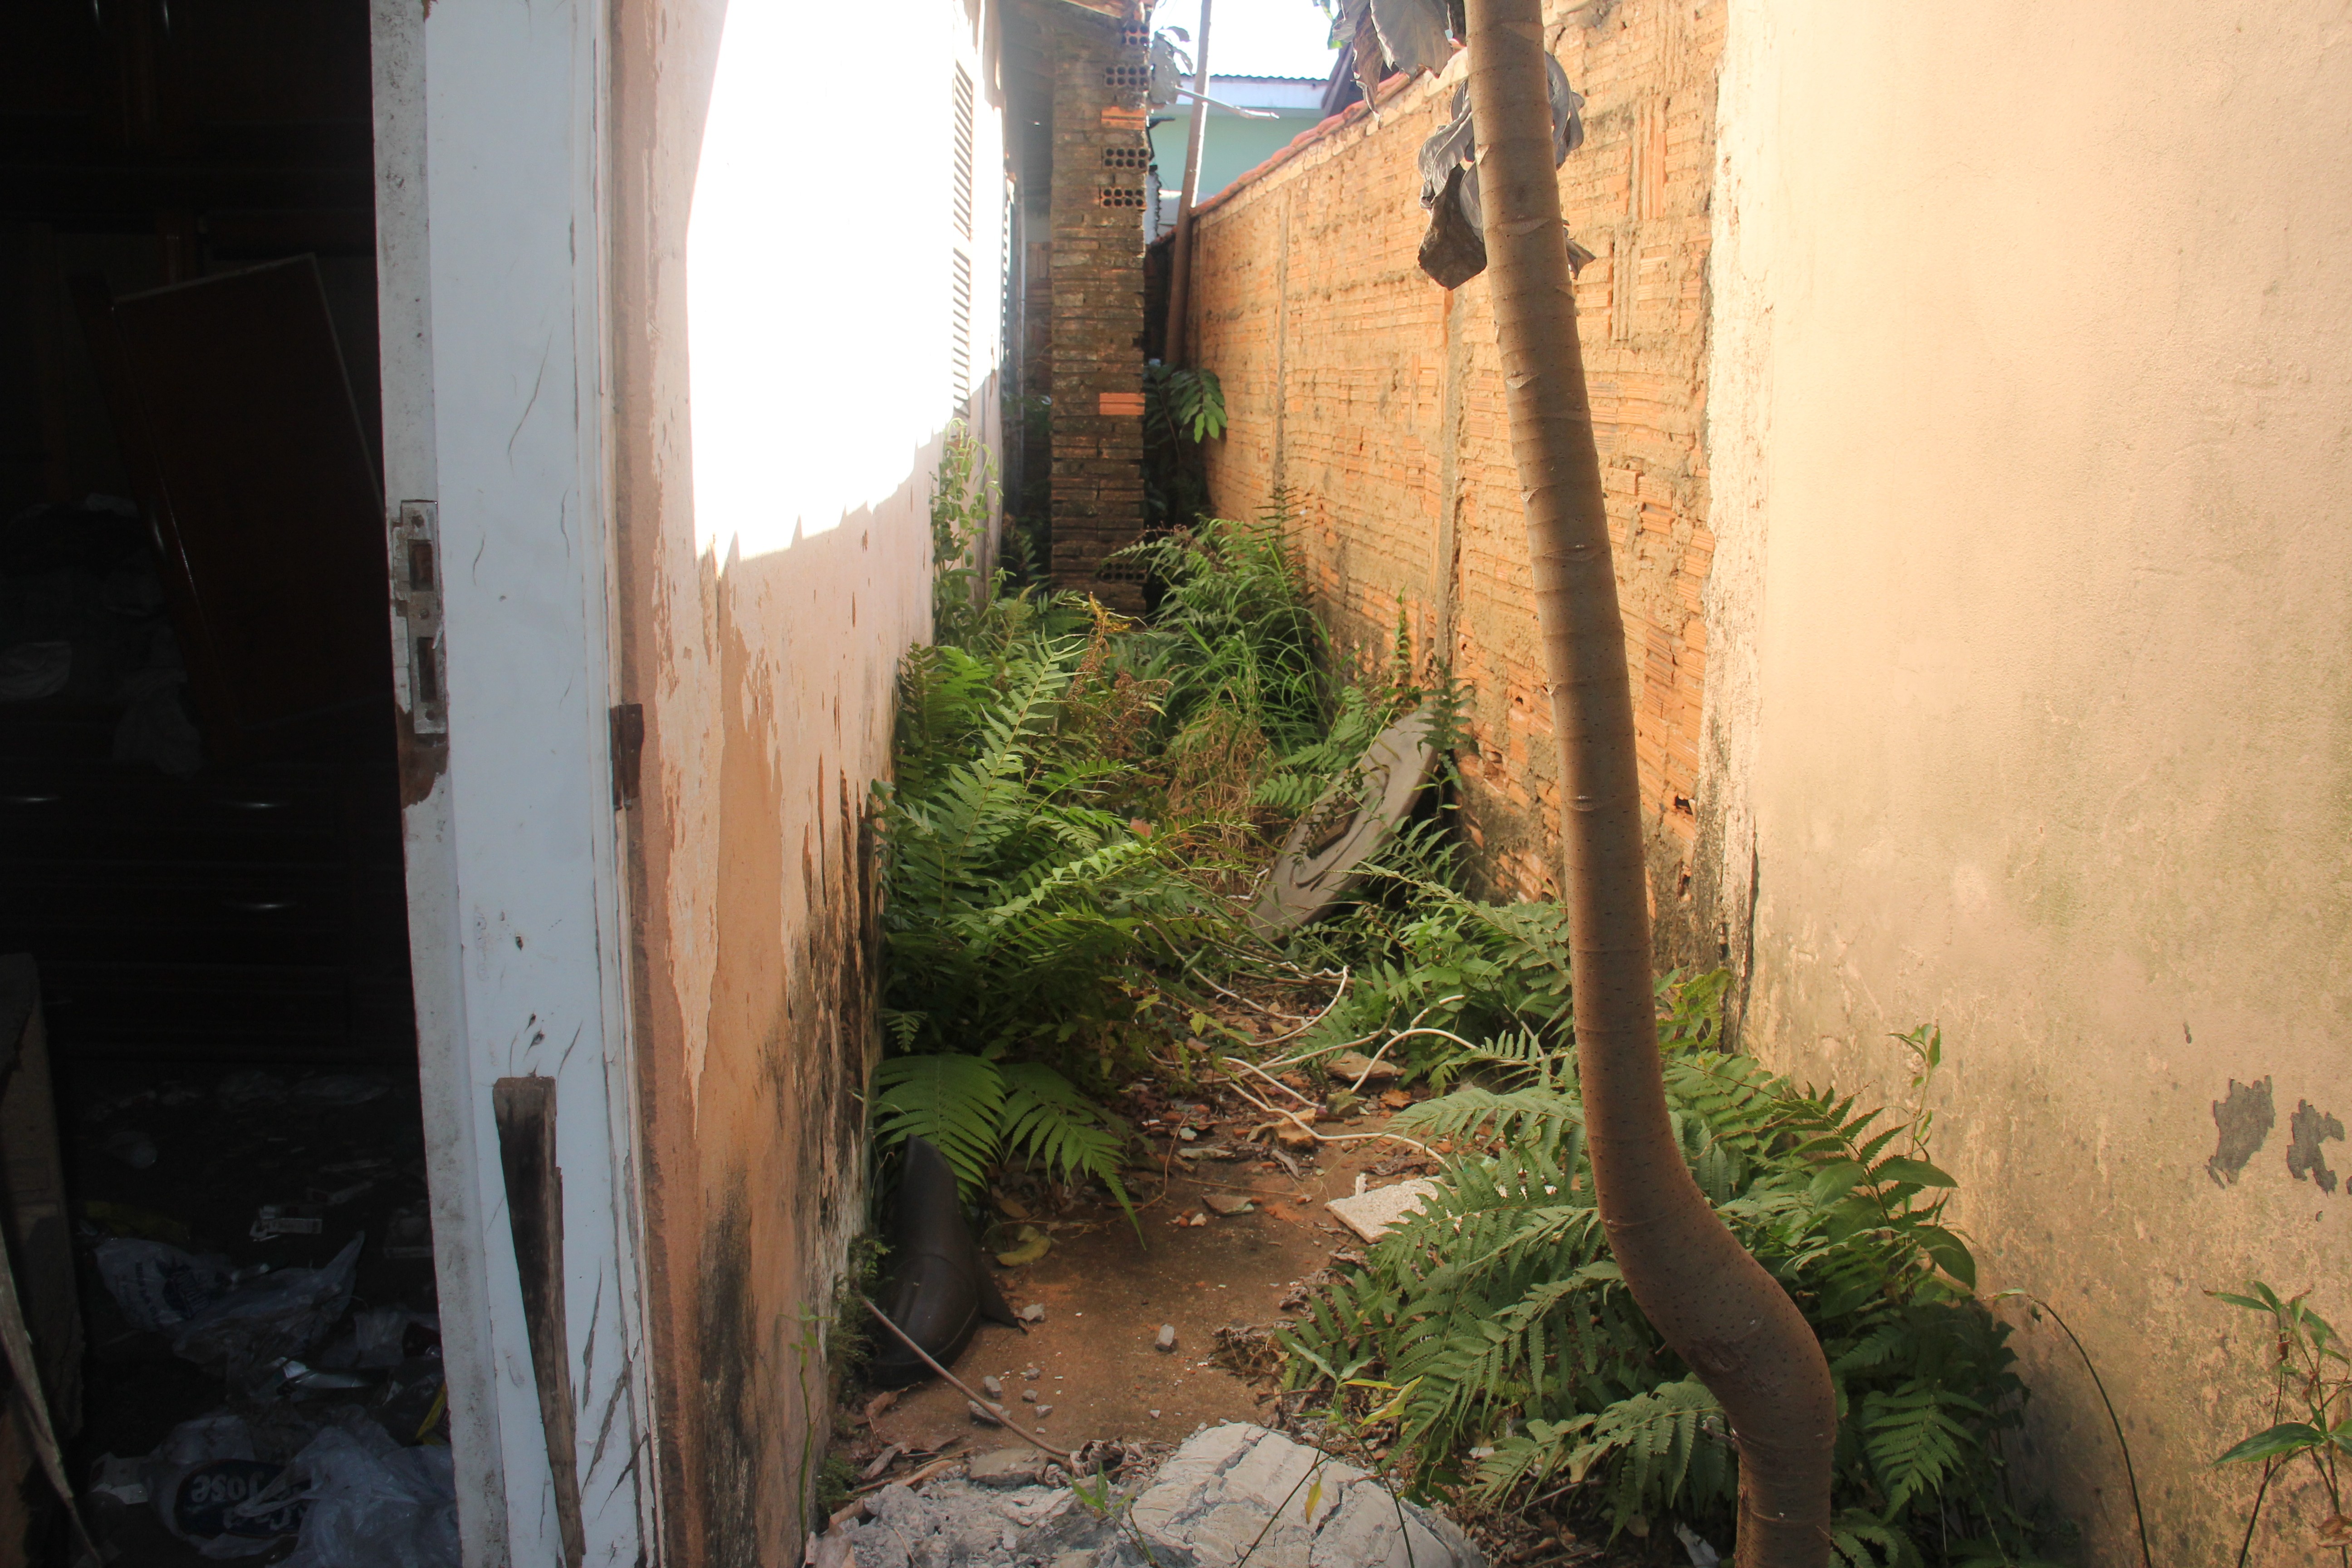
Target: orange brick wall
x,y
1373,396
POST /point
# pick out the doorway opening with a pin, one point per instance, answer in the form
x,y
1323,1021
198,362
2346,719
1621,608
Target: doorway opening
x,y
200,833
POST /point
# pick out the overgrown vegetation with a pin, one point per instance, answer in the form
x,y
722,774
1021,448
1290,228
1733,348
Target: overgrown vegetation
x,y
1080,803
1499,1313
1181,408
1077,799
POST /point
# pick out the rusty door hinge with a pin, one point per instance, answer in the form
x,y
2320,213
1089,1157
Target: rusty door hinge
x,y
628,750
421,676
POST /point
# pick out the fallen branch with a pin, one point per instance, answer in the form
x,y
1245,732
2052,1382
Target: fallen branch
x,y
1413,1027
991,1405
1166,1161
1234,1187
1405,1035
1324,1050
1305,1024
915,1479
1254,1006
1360,1137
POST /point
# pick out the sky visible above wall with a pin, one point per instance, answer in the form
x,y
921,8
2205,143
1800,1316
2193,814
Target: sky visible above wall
x,y
1257,37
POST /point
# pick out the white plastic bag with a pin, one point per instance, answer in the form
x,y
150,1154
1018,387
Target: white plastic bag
x,y
374,1504
159,1288
200,1480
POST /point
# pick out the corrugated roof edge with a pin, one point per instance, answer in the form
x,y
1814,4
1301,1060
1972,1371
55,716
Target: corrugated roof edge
x,y
1388,92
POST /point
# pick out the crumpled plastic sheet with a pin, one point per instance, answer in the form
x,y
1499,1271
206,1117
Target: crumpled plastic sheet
x,y
374,1504
239,1329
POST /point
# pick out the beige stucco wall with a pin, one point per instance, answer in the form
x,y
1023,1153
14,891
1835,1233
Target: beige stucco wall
x,y
2031,684
762,602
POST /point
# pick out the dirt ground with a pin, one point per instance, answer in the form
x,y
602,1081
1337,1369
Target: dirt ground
x,y
1108,1292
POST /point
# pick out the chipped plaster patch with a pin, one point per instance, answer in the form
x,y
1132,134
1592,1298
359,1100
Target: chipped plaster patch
x,y
2306,1130
2246,1118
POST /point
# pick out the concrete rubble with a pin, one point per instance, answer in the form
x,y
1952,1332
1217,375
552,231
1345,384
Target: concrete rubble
x,y
1370,1215
1230,1492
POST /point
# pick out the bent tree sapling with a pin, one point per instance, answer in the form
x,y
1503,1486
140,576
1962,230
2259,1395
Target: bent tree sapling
x,y
1710,1301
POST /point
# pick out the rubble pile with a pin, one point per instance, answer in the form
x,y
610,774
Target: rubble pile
x,y
1231,1492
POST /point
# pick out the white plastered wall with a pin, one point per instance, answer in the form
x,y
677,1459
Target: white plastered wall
x,y
818,269
2031,657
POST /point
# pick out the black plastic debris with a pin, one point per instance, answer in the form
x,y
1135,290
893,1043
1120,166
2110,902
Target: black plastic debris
x,y
940,1289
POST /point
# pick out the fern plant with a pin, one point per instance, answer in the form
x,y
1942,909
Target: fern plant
x,y
1459,984
1499,1307
1233,627
1181,408
979,1113
1015,902
1019,901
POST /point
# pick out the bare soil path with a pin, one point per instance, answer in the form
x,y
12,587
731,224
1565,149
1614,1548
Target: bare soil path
x,y
1106,1295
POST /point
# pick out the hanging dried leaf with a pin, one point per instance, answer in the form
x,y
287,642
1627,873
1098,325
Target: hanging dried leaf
x,y
1454,251
1169,66
1413,33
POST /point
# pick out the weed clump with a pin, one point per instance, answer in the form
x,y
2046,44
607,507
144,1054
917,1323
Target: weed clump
x,y
1501,1334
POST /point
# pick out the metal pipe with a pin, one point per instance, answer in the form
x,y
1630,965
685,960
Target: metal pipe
x,y
1179,274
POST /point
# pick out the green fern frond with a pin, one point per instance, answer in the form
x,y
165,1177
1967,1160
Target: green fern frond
x,y
1538,1115
956,1101
1049,1121
1913,1439
1859,1541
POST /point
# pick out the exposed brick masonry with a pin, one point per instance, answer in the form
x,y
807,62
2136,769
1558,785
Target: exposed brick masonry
x,y
1373,394
1097,268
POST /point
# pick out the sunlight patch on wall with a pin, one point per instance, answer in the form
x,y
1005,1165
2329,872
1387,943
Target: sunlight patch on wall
x,y
820,268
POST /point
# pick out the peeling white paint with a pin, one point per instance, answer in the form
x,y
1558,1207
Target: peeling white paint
x,y
490,169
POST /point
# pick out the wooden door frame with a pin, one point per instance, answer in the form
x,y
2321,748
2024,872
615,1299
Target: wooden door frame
x,y
490,118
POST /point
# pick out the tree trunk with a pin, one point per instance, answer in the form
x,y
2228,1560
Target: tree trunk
x,y
1712,1301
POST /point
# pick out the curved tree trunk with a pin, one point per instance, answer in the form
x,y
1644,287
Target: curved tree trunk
x,y
1712,1303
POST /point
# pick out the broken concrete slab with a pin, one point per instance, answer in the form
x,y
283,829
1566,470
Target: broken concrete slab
x,y
1236,1485
1230,1493
1370,1214
954,1524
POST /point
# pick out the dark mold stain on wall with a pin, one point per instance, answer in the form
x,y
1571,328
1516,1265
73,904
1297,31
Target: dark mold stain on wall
x,y
726,1342
2306,1130
2246,1118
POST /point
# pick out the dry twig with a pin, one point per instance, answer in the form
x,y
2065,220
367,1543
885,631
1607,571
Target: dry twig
x,y
1003,1418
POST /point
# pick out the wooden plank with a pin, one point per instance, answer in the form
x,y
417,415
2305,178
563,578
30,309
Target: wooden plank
x,y
525,1109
